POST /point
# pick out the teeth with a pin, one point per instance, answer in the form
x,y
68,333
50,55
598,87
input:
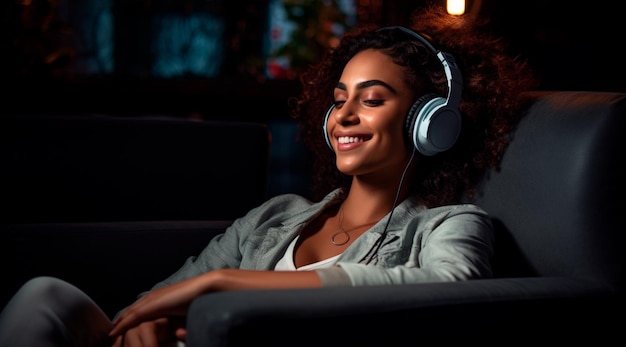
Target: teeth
x,y
349,139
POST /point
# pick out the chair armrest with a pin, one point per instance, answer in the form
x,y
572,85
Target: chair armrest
x,y
479,310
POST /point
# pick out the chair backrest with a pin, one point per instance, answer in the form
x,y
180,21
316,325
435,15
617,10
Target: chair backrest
x,y
104,168
558,197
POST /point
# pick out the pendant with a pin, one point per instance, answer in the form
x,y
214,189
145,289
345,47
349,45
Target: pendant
x,y
343,239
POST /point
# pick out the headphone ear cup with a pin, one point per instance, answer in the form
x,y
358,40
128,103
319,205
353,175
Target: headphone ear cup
x,y
325,127
411,123
432,126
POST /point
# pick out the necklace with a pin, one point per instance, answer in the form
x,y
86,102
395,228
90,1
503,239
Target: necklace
x,y
345,236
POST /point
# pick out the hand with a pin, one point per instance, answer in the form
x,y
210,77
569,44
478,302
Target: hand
x,y
170,301
174,300
160,332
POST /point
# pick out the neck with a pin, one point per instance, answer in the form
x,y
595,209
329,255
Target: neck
x,y
367,203
372,198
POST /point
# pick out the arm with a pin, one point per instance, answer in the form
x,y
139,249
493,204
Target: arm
x,y
174,300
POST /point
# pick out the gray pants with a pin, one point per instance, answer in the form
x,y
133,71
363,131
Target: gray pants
x,y
48,312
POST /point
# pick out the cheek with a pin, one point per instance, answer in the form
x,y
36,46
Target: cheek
x,y
392,138
395,128
404,134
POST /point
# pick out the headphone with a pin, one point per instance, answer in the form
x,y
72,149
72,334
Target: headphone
x,y
433,123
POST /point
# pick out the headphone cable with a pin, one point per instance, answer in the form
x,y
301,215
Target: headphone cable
x,y
374,250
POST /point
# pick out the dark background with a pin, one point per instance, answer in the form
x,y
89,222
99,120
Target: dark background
x,y
572,46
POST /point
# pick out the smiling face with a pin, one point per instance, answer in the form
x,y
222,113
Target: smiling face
x,y
366,125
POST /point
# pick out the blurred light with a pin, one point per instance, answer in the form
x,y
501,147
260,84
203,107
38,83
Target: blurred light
x,y
456,7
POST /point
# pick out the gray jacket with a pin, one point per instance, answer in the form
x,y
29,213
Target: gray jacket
x,y
446,243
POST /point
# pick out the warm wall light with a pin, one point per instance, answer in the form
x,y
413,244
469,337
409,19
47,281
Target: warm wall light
x,y
456,7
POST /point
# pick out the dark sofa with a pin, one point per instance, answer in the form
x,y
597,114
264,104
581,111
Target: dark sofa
x,y
559,264
116,203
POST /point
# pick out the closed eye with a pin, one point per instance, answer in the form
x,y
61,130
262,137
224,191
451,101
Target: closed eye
x,y
370,102
375,102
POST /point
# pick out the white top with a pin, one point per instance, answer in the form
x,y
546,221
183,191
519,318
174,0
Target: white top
x,y
286,262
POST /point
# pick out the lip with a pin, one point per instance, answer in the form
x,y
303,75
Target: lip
x,y
348,141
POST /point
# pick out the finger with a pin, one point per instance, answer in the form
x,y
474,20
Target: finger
x,y
145,308
178,326
181,334
123,323
132,316
148,334
131,339
119,341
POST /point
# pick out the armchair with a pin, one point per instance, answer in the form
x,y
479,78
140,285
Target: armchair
x,y
114,204
559,261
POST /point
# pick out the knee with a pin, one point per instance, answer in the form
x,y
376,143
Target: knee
x,y
50,294
45,286
44,283
37,294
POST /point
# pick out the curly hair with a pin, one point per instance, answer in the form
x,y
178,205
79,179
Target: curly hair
x,y
491,103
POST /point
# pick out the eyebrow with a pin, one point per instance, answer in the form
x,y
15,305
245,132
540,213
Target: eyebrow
x,y
366,84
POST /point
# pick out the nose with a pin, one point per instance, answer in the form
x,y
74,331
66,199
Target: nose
x,y
345,115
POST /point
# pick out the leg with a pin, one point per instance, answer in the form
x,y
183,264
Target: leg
x,y
49,312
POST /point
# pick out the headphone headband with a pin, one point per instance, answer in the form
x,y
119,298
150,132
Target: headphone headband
x,y
453,74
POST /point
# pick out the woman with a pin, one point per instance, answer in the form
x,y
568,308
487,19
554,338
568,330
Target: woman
x,y
401,138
